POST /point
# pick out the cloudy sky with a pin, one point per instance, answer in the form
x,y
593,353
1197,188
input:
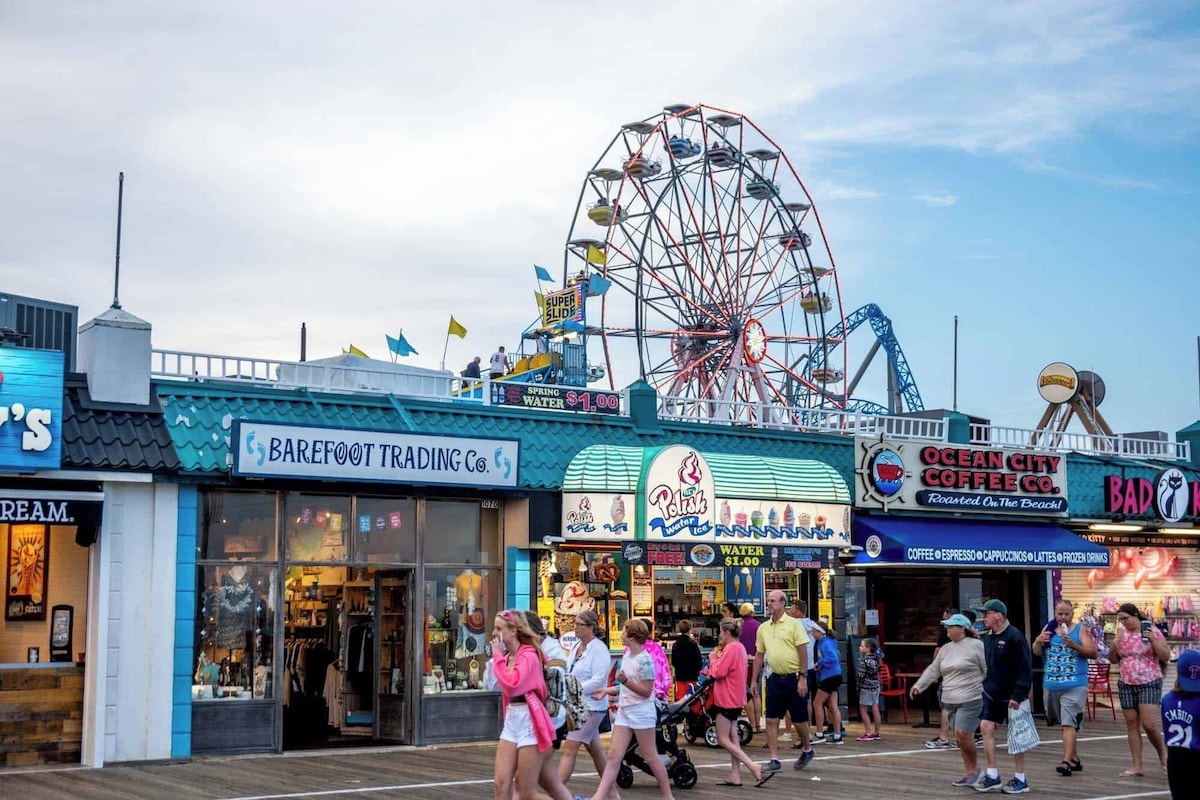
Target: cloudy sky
x,y
370,167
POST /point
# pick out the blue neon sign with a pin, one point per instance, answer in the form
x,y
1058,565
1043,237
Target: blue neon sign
x,y
31,407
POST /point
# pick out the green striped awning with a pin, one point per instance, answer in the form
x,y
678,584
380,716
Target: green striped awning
x,y
758,478
606,468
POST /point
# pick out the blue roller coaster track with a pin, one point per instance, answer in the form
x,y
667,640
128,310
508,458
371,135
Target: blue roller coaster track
x,y
903,394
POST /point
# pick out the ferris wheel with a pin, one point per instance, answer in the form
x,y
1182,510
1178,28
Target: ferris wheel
x,y
722,289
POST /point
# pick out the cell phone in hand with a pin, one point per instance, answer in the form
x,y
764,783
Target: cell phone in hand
x,y
1146,626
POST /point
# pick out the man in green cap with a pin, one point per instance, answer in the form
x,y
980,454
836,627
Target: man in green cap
x,y
1007,684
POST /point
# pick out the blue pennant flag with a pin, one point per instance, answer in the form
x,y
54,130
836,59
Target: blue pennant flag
x,y
542,274
400,346
598,285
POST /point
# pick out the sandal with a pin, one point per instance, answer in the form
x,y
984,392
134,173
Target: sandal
x,y
1064,769
1076,765
1132,773
727,783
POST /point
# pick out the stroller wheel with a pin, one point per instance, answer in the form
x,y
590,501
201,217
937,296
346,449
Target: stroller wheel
x,y
684,775
745,732
625,776
689,735
710,736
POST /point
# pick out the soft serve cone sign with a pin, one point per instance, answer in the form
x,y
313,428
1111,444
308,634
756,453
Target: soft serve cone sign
x,y
679,499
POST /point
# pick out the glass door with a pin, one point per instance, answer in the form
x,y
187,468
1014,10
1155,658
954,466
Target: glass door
x,y
394,589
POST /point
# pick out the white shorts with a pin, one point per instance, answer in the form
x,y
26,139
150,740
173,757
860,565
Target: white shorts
x,y
638,716
518,726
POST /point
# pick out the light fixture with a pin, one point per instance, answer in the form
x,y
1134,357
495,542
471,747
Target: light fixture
x,y
745,570
639,569
1181,531
1115,527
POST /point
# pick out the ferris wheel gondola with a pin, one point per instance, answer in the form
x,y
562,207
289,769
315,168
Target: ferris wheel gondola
x,y
717,297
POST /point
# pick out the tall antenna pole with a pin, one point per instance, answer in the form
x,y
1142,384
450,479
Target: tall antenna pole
x,y
955,362
117,276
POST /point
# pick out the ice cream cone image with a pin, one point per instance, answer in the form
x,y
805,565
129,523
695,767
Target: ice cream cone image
x,y
750,585
737,584
617,511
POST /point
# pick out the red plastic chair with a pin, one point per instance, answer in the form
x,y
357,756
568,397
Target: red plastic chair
x,y
896,686
1099,685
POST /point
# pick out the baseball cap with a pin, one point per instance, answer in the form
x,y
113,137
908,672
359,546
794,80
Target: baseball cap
x,y
997,606
746,608
1187,669
957,619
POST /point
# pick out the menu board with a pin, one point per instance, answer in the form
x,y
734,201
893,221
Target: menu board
x,y
642,595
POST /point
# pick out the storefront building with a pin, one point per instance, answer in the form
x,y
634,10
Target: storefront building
x,y
1148,517
84,508
680,532
347,567
945,525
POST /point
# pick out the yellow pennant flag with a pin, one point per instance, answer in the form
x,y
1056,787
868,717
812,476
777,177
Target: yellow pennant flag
x,y
596,256
541,301
456,328
354,351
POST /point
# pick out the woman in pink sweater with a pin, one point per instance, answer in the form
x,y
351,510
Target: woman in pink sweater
x,y
727,669
528,732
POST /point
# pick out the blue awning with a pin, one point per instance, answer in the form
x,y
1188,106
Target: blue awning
x,y
910,541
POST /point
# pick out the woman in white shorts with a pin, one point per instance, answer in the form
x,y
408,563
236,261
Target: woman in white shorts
x,y
589,662
636,711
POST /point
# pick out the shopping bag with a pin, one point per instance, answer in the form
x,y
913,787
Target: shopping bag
x,y
1022,732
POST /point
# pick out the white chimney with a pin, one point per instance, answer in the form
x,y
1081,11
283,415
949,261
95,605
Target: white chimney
x,y
114,351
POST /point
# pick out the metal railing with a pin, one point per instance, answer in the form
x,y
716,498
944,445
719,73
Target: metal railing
x,y
1086,443
326,377
772,416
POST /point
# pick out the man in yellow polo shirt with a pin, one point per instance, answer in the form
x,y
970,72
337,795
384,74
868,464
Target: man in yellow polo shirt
x,y
783,645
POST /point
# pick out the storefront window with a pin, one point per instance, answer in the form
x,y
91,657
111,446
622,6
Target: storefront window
x,y
461,603
452,532
236,618
385,530
237,526
317,527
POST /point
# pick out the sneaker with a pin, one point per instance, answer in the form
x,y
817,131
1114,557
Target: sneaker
x,y
979,740
818,738
986,783
773,765
804,759
937,743
839,739
866,737
970,779
1015,786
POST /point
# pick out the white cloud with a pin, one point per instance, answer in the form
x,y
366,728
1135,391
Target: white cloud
x,y
936,199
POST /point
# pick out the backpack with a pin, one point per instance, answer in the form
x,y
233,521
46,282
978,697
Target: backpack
x,y
564,692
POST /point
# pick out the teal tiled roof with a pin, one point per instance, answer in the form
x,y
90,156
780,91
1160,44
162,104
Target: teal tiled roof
x,y
199,417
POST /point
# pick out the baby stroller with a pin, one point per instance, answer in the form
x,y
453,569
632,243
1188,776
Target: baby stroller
x,y
680,768
700,723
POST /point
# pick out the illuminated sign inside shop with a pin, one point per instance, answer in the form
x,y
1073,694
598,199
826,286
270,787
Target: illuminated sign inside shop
x,y
267,449
989,480
31,401
1169,496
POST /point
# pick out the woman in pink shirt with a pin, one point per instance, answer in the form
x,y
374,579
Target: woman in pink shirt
x,y
727,669
1139,647
528,732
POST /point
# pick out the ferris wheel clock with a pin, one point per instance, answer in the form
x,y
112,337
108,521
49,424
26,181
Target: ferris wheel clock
x,y
754,339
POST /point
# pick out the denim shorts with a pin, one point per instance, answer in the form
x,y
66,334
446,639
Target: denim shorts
x,y
868,697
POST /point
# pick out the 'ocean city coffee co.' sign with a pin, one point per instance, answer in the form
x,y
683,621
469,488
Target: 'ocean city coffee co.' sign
x,y
1169,496
987,480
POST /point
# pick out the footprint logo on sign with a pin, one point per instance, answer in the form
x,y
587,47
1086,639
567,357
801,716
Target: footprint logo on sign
x,y
502,462
256,449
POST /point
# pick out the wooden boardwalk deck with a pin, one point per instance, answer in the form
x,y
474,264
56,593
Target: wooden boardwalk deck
x,y
897,768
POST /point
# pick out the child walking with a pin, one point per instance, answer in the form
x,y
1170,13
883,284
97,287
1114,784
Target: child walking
x,y
868,689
